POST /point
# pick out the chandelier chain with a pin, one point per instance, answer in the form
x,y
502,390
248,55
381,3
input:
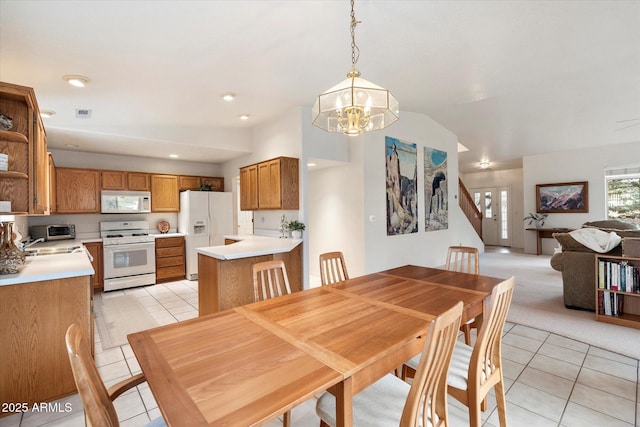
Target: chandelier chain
x,y
355,50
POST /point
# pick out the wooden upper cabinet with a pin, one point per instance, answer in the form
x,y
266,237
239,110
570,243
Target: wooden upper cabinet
x,y
216,184
26,182
122,180
113,180
139,181
77,190
249,188
272,184
189,183
195,183
52,185
41,199
164,193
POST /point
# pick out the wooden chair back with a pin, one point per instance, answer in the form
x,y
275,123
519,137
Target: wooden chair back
x,y
463,259
270,280
486,356
427,400
332,268
485,366
99,409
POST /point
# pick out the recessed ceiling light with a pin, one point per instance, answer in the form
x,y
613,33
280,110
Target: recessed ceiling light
x,y
311,164
244,116
229,96
72,145
77,81
173,156
47,113
484,165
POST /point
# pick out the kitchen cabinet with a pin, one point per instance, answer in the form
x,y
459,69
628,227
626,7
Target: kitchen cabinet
x,y
189,183
170,260
77,190
165,196
139,181
95,249
195,183
122,180
25,183
34,366
113,180
249,188
52,185
216,184
272,184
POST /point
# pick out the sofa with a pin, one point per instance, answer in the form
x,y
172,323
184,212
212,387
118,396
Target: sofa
x,y
577,262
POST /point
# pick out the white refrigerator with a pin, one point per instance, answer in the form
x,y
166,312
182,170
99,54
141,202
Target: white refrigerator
x,y
205,217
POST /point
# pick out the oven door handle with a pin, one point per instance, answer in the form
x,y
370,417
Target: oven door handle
x,y
130,245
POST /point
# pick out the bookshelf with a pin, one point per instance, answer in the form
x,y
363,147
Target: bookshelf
x,y
618,290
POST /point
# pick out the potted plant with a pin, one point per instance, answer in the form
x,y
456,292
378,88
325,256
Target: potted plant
x,y
536,219
296,228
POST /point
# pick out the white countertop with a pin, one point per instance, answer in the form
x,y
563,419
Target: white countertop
x,y
49,267
248,246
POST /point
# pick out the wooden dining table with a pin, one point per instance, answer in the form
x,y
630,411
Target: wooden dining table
x,y
247,365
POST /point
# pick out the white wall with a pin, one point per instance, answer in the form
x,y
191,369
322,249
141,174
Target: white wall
x,y
422,248
503,178
586,164
335,202
342,199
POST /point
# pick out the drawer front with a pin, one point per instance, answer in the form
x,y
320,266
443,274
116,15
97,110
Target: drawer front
x,y
168,252
165,242
169,261
169,272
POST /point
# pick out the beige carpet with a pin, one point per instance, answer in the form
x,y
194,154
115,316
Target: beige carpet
x,y
118,316
537,302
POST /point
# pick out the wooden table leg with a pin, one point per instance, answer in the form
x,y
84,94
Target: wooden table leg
x,y
344,403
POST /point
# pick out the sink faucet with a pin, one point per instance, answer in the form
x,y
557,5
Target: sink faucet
x,y
28,245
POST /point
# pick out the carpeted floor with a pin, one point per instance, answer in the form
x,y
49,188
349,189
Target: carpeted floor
x,y
118,316
537,302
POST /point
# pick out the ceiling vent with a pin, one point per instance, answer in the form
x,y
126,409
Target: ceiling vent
x,y
83,114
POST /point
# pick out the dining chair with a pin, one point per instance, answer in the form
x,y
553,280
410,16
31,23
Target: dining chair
x,y
270,280
332,268
96,399
391,401
464,259
474,371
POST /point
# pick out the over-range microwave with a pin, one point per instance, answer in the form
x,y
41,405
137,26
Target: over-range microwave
x,y
125,201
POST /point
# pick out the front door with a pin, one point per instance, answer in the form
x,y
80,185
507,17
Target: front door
x,y
494,203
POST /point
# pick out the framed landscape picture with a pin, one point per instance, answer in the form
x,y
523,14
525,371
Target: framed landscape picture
x,y
568,197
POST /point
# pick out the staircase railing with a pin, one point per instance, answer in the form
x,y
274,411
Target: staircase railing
x,y
469,208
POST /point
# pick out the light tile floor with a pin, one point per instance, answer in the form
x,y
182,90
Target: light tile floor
x,y
550,380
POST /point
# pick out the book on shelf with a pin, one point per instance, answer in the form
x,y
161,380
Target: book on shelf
x,y
618,276
610,303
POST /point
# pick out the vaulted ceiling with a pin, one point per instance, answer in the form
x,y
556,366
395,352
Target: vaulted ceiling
x,y
510,78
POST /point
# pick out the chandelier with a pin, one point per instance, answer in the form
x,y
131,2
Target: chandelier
x,y
355,105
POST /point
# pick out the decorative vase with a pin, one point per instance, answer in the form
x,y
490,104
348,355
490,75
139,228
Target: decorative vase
x,y
12,259
296,234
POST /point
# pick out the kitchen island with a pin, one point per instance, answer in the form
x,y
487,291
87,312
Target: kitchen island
x,y
37,305
225,277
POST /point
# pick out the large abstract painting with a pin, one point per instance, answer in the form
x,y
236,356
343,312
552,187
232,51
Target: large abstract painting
x,y
436,197
402,187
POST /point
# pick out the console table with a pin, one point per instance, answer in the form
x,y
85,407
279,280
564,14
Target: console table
x,y
546,233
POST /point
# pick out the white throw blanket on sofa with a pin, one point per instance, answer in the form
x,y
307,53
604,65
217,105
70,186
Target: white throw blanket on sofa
x,y
596,240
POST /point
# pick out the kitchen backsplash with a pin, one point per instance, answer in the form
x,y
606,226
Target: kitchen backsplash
x,y
88,225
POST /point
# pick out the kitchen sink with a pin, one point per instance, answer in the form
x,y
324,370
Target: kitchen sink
x,y
51,251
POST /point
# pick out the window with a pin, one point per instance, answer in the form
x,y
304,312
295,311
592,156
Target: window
x,y
504,214
623,193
